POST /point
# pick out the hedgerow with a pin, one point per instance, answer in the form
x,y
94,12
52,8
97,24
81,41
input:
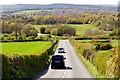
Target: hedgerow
x,y
25,66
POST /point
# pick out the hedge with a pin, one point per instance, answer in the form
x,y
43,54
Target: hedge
x,y
25,66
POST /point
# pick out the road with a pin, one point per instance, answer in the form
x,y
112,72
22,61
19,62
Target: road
x,y
74,66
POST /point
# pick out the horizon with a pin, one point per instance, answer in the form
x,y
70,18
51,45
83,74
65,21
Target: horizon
x,y
47,2
58,3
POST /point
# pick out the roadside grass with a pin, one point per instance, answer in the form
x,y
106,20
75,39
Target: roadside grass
x,y
89,66
98,65
79,50
115,43
100,62
23,48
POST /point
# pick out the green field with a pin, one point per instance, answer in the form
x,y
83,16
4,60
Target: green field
x,y
27,11
39,26
80,28
24,47
30,11
114,42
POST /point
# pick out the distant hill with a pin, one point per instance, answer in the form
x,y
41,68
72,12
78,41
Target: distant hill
x,y
19,7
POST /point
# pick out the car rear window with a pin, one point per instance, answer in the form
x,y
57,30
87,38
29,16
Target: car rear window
x,y
60,48
57,57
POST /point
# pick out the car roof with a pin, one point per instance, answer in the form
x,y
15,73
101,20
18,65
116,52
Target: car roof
x,y
60,48
57,55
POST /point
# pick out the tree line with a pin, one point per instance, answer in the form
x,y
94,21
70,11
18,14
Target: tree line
x,y
17,30
21,27
58,30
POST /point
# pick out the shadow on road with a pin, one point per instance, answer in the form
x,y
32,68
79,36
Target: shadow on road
x,y
62,52
65,68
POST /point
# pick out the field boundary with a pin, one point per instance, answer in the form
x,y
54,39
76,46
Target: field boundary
x,y
25,66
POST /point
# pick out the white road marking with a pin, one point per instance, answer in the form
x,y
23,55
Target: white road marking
x,y
62,76
65,72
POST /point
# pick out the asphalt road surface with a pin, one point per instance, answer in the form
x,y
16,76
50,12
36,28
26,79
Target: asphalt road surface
x,y
74,66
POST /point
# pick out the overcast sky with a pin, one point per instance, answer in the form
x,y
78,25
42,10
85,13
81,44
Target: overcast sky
x,y
59,1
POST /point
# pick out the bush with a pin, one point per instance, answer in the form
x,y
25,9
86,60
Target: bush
x,y
29,30
47,37
54,32
87,54
42,30
30,38
83,38
48,31
74,21
106,47
103,46
6,35
12,38
66,30
97,47
34,33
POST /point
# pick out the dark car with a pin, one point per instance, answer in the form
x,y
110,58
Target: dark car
x,y
57,61
61,50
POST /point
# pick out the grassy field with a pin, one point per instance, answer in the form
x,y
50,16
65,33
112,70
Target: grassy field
x,y
114,42
80,28
30,11
39,26
23,47
27,11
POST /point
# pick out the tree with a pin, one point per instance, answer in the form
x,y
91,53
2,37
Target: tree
x,y
89,32
34,33
5,27
70,31
54,32
38,21
42,30
74,21
29,30
65,29
11,27
49,20
86,21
